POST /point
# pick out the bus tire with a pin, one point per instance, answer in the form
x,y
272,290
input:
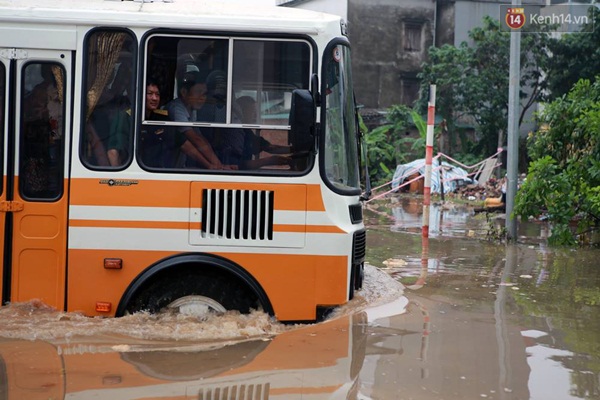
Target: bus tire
x,y
194,293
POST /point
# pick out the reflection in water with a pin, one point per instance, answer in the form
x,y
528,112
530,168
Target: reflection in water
x,y
445,219
507,321
546,365
502,335
281,368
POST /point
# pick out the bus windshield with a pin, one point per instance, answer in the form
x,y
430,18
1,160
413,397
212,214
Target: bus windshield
x,y
340,143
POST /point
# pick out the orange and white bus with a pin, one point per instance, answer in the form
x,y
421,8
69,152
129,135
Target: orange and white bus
x,y
106,206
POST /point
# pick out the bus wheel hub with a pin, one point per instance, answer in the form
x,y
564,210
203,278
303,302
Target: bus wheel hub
x,y
197,306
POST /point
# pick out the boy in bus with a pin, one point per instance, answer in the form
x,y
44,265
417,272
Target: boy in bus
x,y
158,143
192,96
154,139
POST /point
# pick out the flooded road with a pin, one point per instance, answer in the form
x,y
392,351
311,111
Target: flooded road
x,y
502,321
456,317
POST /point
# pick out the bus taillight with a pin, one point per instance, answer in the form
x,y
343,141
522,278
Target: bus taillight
x,y
103,306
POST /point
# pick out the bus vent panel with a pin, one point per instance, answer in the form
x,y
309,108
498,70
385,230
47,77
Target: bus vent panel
x,y
237,214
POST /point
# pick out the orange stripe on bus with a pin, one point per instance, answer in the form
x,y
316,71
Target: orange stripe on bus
x,y
304,390
307,228
129,224
157,193
87,223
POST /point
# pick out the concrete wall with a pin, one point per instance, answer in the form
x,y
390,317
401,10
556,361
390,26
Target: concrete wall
x,y
384,70
445,17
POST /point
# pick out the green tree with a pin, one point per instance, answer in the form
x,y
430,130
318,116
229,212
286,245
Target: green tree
x,y
564,175
384,145
472,80
575,56
447,68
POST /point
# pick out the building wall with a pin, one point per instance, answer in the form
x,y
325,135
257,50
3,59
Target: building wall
x,y
390,41
445,17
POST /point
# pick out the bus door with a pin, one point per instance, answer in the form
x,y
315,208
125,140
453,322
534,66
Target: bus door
x,y
33,203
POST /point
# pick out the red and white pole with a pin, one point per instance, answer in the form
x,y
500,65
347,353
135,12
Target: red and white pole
x,y
428,160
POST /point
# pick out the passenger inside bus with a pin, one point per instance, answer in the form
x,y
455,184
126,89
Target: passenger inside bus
x,y
192,97
159,144
114,100
254,144
228,143
118,141
163,146
215,109
247,109
234,146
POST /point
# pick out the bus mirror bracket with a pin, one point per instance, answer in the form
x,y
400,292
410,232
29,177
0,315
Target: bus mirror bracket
x,y
314,88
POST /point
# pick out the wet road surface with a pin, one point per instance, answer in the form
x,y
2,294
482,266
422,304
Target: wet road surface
x,y
503,321
466,318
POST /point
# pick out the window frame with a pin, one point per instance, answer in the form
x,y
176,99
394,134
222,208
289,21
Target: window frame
x,y
413,28
346,191
232,40
84,135
59,133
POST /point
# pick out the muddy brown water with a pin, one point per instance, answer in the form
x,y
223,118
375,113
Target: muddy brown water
x,y
466,318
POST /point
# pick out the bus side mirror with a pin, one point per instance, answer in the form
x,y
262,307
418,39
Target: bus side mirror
x,y
302,121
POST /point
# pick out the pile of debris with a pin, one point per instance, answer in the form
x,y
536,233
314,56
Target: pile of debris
x,y
479,192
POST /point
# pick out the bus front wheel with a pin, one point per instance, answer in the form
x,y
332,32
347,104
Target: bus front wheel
x,y
194,294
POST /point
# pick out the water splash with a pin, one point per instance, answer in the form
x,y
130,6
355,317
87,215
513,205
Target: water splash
x,y
34,320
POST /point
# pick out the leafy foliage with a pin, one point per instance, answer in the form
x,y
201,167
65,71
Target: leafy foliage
x,y
564,176
417,146
575,56
384,145
472,80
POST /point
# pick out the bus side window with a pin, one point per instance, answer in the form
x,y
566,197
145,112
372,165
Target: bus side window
x,y
42,131
109,97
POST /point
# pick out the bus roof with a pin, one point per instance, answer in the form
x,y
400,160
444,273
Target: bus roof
x,y
184,14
